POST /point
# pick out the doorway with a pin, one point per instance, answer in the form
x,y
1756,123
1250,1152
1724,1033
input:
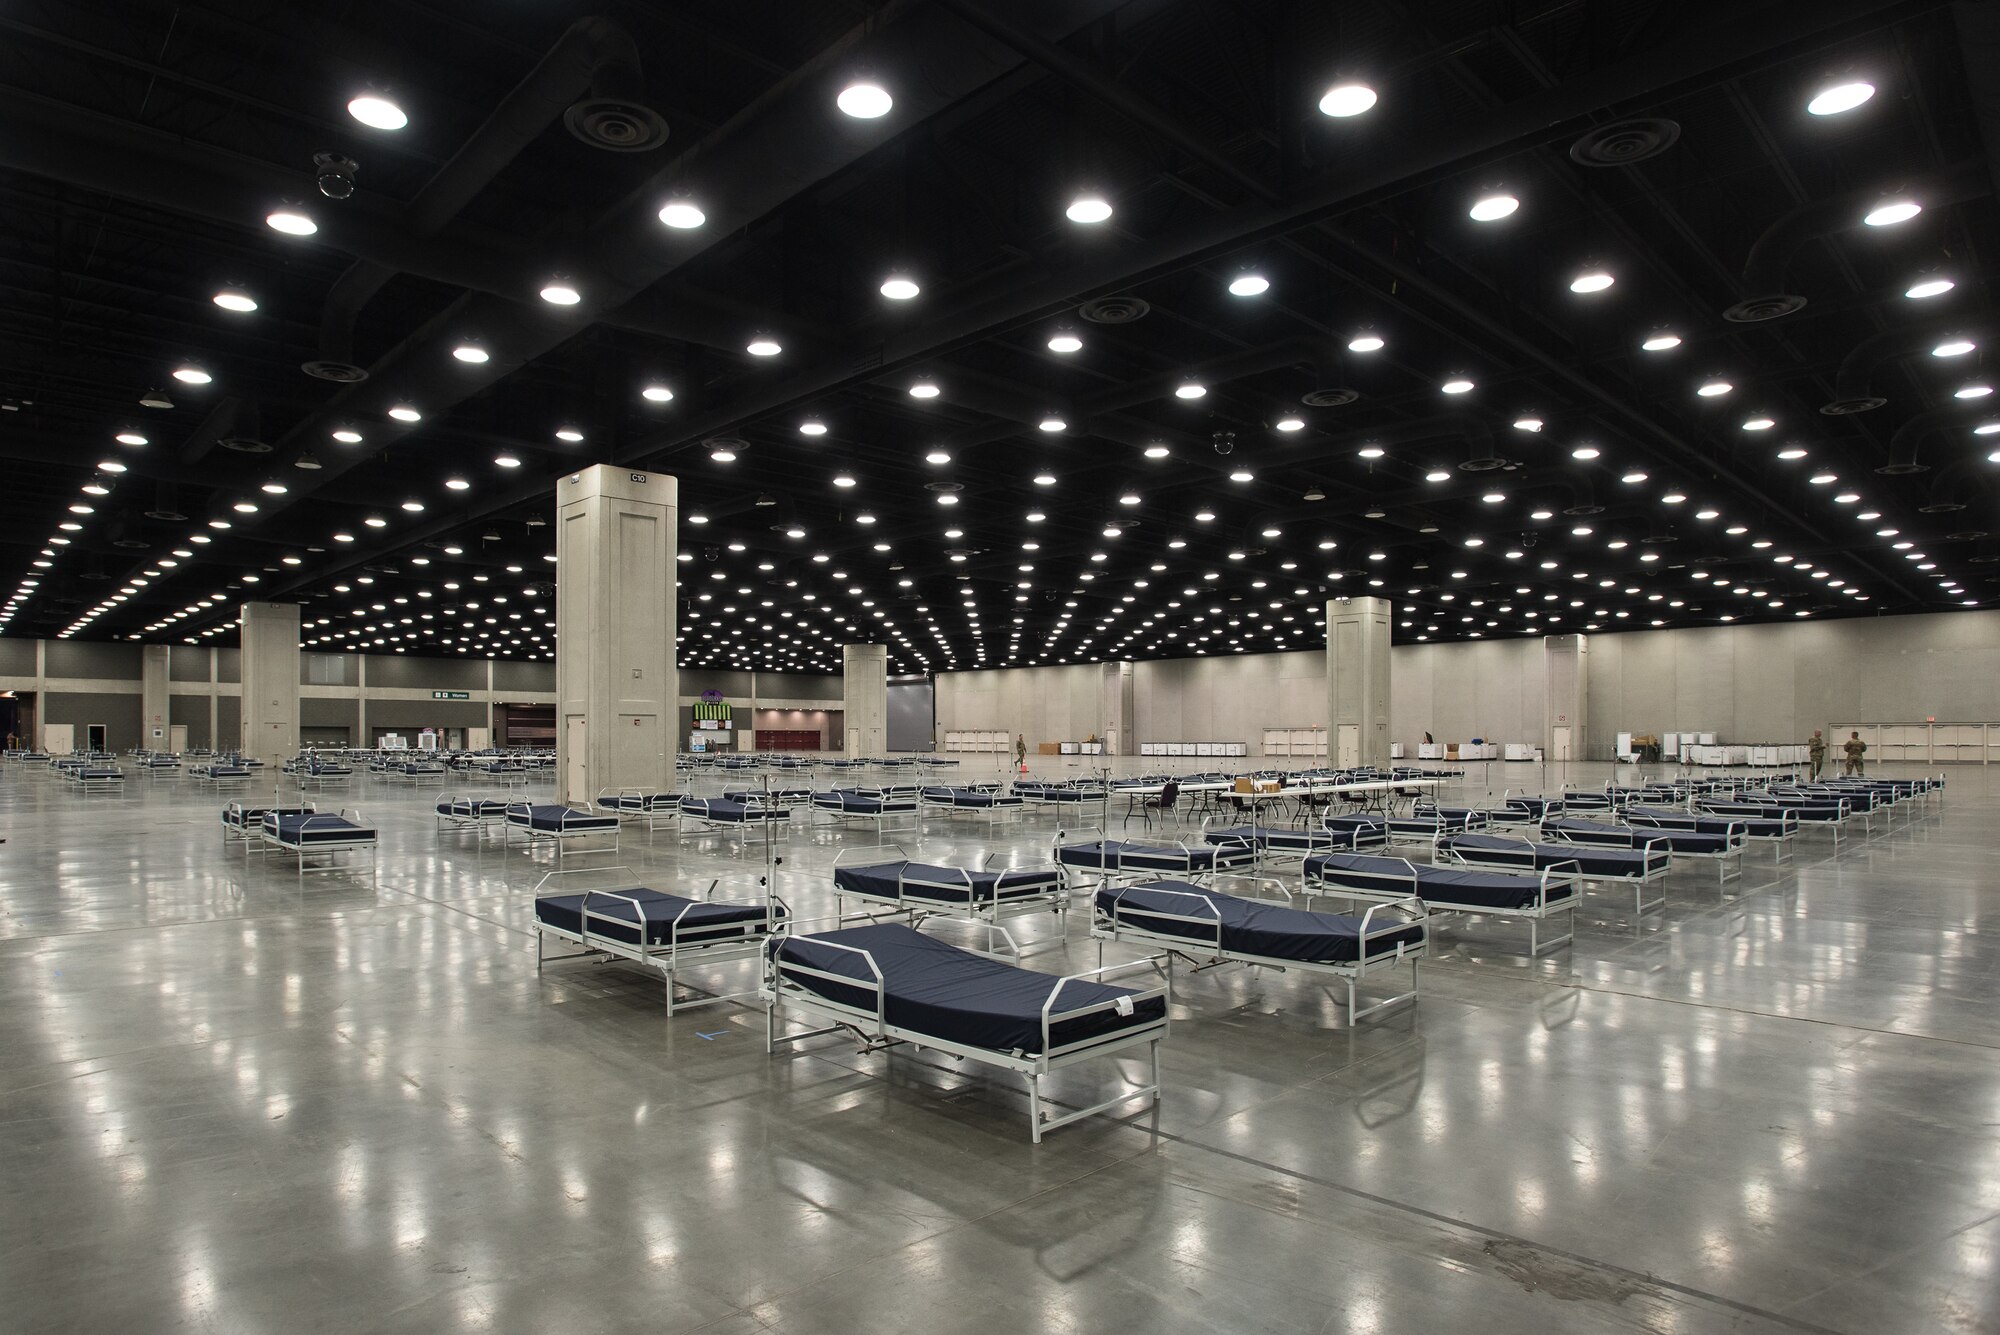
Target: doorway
x,y
95,738
1559,742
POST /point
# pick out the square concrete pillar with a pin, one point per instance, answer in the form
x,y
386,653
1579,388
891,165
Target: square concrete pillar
x,y
864,670
617,690
1566,696
1357,681
270,674
153,708
1116,730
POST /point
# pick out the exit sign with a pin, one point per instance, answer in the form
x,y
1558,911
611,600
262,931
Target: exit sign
x,y
451,695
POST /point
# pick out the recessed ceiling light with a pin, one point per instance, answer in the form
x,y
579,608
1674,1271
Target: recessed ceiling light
x,y
1736,530
505,461
1494,497
377,112
843,480
192,375
1249,285
1595,281
1986,429
456,484
924,389
470,353
1064,341
347,436
414,507
1347,99
232,299
937,457
275,488
1459,386
1633,479
1714,389
1707,514
1972,392
568,433
682,214
402,412
129,438
1045,479
1157,451
947,499
763,345
1437,475
241,508
812,426
1792,452
1823,479
1584,452
1929,287
1956,347
897,287
1887,215
1492,208
1847,498
558,293
1661,342
291,221
1370,452
1290,424
1240,475
1053,423
1365,343
1836,98
1088,209
1191,390
1129,499
864,101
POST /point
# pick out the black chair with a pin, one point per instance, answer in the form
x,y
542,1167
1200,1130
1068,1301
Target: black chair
x,y
1161,805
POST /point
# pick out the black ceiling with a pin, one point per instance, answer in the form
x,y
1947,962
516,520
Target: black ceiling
x,y
1666,145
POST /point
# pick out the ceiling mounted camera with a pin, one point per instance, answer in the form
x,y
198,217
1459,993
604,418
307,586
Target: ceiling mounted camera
x,y
335,174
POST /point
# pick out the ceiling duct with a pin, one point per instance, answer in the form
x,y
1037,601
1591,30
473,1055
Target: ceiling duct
x,y
1625,142
1764,291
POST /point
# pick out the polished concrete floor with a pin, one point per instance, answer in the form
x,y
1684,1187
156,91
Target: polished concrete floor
x,y
235,1100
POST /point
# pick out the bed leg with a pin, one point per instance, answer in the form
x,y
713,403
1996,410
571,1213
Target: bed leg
x,y
1154,1046
1035,1108
1350,1003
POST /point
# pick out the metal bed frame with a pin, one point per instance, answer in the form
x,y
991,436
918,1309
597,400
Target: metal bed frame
x,y
1735,840
1313,834
1109,927
1187,870
904,817
302,848
1781,844
652,808
561,835
1705,805
476,815
87,783
700,823
250,832
208,778
1055,900
1533,914
994,815
876,1034
715,944
1496,861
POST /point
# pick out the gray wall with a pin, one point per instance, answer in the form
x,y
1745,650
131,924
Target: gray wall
x,y
536,678
229,665
441,674
1744,683
73,658
118,713
228,722
320,713
794,686
330,669
910,713
191,710
187,662
409,715
17,657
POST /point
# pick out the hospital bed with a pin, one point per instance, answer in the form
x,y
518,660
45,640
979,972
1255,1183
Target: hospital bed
x,y
1213,929
885,875
1487,892
245,825
1636,867
655,929
219,776
975,800
719,815
1831,815
463,811
95,778
1607,799
636,805
774,797
889,984
867,806
415,771
319,834
1284,843
1777,830
1119,859
1429,822
1724,847
559,825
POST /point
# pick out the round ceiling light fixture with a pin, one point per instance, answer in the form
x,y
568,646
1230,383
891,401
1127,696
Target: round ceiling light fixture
x,y
1714,389
377,112
1492,208
559,293
1064,340
1088,209
865,101
1346,99
1661,342
1594,281
129,438
1840,97
1192,389
403,412
763,345
1365,342
682,214
899,287
656,394
1249,285
235,299
924,389
1929,287
1457,386
1892,212
291,220
192,375
470,353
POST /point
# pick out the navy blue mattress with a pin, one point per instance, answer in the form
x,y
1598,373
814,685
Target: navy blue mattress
x,y
1628,836
551,818
1434,820
639,801
243,817
941,884
724,812
1358,829
1538,807
932,988
1609,862
1249,926
752,796
94,772
848,802
305,831
968,797
698,919
1451,887
472,806
1117,854
1808,812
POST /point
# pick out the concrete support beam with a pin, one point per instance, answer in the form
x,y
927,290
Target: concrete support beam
x,y
617,690
270,661
153,708
1116,730
1357,681
865,688
1566,696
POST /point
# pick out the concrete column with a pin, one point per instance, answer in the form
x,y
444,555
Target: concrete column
x,y
361,699
1566,696
153,707
865,692
218,744
617,691
1116,728
1357,681
270,674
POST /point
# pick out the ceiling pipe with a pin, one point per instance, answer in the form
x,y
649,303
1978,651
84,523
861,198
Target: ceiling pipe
x,y
1971,478
1765,296
595,55
1910,435
1851,392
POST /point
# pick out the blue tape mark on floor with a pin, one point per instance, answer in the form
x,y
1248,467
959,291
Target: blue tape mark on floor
x,y
720,1033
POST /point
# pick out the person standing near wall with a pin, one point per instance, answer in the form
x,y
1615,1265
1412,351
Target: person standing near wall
x,y
1021,752
1854,748
1816,754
